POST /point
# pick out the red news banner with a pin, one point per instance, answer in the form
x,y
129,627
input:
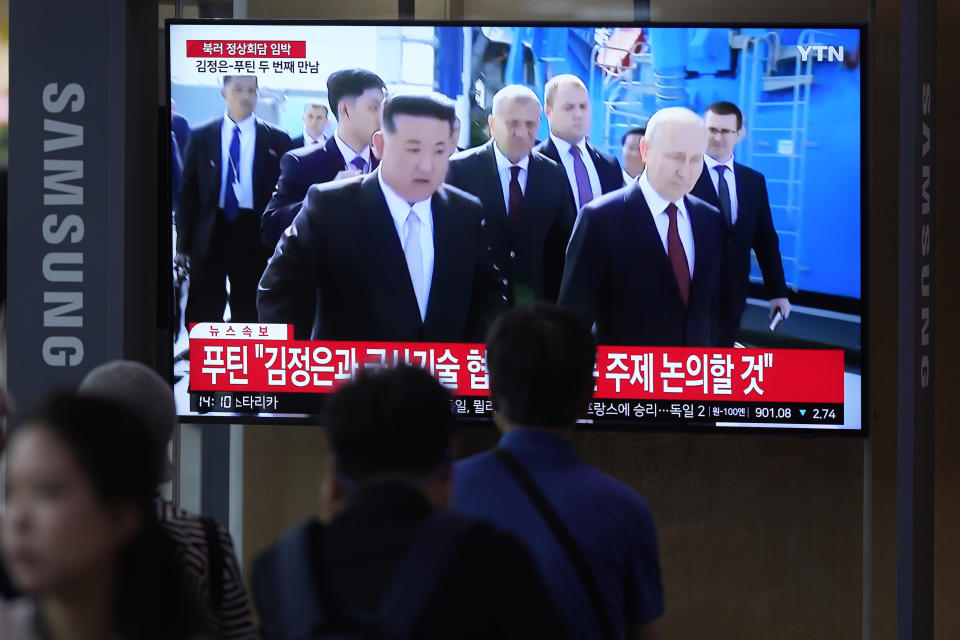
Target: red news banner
x,y
262,358
246,48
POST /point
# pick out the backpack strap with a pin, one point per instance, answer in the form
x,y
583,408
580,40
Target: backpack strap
x,y
287,588
211,534
417,577
564,538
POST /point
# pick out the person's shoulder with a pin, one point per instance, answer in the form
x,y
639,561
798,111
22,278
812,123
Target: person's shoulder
x,y
743,171
618,496
702,209
477,465
209,126
336,190
606,157
17,619
538,157
458,198
188,529
273,129
468,155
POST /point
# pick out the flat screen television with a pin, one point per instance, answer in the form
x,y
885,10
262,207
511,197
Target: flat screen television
x,y
784,220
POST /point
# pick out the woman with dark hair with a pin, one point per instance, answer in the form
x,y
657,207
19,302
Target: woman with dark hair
x,y
79,535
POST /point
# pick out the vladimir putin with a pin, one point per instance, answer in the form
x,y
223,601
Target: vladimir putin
x,y
645,261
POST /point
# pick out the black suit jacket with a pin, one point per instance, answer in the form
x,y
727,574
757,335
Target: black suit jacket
x,y
619,275
200,181
753,229
298,142
608,168
299,170
532,260
343,246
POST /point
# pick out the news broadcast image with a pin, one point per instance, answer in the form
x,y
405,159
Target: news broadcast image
x,y
723,283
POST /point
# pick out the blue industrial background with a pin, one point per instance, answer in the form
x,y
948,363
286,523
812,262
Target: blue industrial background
x,y
803,119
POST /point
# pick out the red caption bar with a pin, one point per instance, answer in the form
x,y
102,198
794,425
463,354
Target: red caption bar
x,y
246,48
262,358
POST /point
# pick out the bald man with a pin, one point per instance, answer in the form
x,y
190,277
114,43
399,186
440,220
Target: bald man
x,y
645,261
528,218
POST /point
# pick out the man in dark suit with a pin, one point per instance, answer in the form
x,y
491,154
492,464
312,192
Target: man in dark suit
x,y
645,261
528,219
355,96
179,126
230,168
315,119
740,193
630,148
590,171
393,255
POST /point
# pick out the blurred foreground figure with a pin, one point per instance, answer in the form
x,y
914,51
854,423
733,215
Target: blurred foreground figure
x,y
592,537
205,548
79,533
393,563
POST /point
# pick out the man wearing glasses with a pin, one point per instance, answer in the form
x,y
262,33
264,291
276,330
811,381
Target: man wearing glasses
x,y
740,193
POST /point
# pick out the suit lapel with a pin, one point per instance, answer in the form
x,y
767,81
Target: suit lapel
x,y
647,230
704,188
445,242
491,175
701,242
334,151
261,152
215,151
550,150
386,249
743,208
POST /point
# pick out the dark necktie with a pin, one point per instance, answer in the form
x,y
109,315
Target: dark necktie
x,y
359,163
723,191
584,190
230,205
678,257
515,204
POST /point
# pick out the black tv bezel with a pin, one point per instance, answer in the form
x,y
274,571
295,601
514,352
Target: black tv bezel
x,y
165,230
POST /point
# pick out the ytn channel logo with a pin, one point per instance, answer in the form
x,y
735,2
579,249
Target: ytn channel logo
x,y
832,53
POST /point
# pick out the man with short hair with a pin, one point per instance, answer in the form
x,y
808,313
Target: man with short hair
x,y
540,360
741,195
205,547
355,97
315,119
632,160
645,262
394,255
528,219
590,172
229,170
393,562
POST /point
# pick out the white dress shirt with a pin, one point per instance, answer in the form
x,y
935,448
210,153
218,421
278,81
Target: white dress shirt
x,y
503,170
349,154
248,141
658,208
729,177
399,209
309,140
626,177
566,158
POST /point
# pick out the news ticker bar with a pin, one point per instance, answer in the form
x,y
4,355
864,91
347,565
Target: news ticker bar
x,y
651,411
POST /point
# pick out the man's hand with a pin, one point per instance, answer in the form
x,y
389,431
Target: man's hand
x,y
181,260
347,173
782,304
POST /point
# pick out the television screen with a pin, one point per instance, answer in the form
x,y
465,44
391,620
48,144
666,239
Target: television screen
x,y
694,192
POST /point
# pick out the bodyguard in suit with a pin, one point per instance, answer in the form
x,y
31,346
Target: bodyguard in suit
x,y
355,96
392,255
590,171
645,262
230,168
741,195
315,119
528,219
630,148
